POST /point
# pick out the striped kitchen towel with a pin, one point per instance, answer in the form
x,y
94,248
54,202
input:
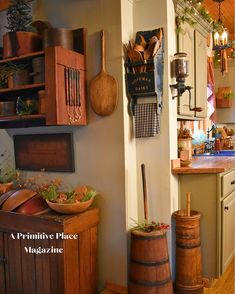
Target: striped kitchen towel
x,y
147,122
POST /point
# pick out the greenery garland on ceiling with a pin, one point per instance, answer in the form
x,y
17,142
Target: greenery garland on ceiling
x,y
195,7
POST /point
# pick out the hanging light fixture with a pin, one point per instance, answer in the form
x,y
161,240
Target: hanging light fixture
x,y
220,36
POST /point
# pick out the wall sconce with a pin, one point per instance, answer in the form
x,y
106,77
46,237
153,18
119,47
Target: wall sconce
x,y
180,71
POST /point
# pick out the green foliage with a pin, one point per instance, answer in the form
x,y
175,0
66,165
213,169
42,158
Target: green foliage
x,y
148,227
8,175
19,16
89,195
50,193
8,69
193,7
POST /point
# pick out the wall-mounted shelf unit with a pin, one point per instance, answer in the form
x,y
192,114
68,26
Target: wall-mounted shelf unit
x,y
65,97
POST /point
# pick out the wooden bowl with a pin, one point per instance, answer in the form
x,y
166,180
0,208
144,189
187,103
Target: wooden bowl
x,y
70,208
6,195
17,198
35,205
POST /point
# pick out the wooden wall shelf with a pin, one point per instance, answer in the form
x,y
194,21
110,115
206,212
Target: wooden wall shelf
x,y
22,121
65,95
26,56
22,88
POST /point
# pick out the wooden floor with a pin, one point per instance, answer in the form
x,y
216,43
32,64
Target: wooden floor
x,y
226,284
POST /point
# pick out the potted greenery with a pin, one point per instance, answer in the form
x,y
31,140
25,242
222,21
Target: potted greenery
x,y
21,39
7,177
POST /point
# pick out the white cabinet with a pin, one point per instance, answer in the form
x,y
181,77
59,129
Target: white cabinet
x,y
186,44
200,74
228,230
194,44
193,41
213,195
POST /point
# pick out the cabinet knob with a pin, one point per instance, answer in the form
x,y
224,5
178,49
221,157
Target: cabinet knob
x,y
233,182
3,259
226,208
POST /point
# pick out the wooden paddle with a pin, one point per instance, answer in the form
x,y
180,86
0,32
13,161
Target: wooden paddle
x,y
103,88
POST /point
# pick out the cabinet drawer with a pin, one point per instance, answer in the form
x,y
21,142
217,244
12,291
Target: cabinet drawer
x,y
228,183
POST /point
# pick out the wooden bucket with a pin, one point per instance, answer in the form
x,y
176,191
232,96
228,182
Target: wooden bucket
x,y
188,253
149,268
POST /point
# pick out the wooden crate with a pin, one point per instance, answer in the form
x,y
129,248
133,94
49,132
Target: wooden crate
x,y
70,272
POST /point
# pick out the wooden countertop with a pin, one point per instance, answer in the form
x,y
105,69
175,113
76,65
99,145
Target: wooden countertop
x,y
207,165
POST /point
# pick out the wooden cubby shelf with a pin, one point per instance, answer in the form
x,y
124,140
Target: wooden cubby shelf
x,y
26,56
23,88
22,121
65,83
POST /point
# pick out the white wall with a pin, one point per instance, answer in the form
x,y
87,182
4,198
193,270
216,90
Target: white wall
x,y
157,152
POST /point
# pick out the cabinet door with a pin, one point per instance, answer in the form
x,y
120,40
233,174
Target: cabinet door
x,y
200,74
186,44
2,265
228,229
65,92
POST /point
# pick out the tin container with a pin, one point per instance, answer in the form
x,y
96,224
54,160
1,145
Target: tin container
x,y
58,37
7,108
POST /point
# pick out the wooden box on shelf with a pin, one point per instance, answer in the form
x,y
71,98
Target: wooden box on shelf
x,y
73,270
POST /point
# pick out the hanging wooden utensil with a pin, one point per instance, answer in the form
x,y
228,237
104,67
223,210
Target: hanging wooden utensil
x,y
145,197
103,88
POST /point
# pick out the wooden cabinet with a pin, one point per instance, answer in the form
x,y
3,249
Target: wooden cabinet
x,y
228,230
65,95
71,271
213,195
193,41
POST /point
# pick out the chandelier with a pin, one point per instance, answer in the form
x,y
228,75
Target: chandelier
x,y
220,35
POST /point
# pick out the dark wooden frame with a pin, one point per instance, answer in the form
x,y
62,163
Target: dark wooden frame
x,y
49,152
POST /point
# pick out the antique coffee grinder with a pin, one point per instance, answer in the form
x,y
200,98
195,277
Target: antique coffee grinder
x,y
180,70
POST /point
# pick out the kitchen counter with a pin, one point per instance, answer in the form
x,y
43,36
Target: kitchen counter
x,y
207,165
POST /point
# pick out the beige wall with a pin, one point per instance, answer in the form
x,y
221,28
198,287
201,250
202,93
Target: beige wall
x,y
226,115
107,156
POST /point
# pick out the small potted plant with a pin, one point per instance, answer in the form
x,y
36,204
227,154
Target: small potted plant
x,y
20,39
8,175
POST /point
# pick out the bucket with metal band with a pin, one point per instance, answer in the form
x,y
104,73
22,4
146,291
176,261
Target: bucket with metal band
x,y
149,268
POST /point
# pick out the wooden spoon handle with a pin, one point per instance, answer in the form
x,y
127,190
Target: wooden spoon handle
x,y
188,204
103,64
144,192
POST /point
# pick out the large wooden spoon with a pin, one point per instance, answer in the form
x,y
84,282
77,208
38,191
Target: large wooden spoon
x,y
103,88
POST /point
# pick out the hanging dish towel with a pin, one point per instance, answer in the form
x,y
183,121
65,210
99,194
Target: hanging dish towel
x,y
147,122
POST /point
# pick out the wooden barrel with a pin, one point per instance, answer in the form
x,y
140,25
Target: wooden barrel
x,y
188,253
149,268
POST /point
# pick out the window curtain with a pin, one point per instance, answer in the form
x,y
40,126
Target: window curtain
x,y
211,89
